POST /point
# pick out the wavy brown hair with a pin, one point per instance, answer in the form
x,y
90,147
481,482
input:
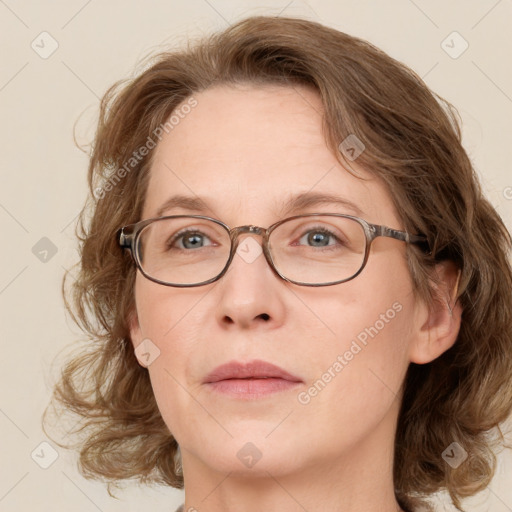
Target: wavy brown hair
x,y
412,142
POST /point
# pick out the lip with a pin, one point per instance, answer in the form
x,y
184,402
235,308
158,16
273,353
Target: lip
x,y
256,369
252,379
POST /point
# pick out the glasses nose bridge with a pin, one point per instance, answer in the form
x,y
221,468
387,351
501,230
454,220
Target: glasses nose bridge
x,y
249,229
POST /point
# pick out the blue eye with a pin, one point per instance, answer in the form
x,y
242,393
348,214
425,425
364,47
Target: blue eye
x,y
189,240
319,238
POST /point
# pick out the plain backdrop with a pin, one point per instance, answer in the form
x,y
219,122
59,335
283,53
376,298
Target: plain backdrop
x,y
57,60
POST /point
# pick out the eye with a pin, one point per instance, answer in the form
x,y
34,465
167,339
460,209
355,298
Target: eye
x,y
189,240
319,237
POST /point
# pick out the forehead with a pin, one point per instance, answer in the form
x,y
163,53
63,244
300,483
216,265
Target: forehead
x,y
247,150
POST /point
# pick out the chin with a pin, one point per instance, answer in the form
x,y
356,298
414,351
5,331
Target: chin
x,y
251,461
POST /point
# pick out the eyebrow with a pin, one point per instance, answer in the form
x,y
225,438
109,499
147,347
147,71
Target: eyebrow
x,y
309,199
293,205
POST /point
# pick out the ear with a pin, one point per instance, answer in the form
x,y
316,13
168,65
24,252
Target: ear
x,y
135,331
437,328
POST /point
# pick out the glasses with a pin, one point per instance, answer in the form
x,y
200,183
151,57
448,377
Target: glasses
x,y
313,249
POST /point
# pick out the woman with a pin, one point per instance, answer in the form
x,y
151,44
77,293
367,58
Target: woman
x,y
348,346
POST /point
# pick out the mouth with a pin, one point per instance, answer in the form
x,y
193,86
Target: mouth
x,y
253,379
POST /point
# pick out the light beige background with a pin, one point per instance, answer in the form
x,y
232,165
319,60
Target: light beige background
x,y
43,177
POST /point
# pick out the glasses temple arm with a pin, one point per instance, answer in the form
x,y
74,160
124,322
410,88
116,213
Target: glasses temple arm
x,y
125,239
401,235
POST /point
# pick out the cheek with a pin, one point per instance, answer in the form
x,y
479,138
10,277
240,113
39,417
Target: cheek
x,y
361,363
162,311
374,309
174,320
365,345
356,379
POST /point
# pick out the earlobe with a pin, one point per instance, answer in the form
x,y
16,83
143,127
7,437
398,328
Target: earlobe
x,y
136,335
135,330
438,327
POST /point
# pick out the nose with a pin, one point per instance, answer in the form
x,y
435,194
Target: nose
x,y
250,293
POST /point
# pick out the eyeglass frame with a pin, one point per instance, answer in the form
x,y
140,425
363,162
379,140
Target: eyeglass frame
x,y
372,231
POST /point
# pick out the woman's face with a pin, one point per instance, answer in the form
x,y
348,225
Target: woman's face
x,y
245,152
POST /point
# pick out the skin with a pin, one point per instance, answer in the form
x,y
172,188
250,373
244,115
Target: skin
x,y
245,150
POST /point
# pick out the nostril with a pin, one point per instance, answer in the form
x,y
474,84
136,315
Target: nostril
x,y
265,316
